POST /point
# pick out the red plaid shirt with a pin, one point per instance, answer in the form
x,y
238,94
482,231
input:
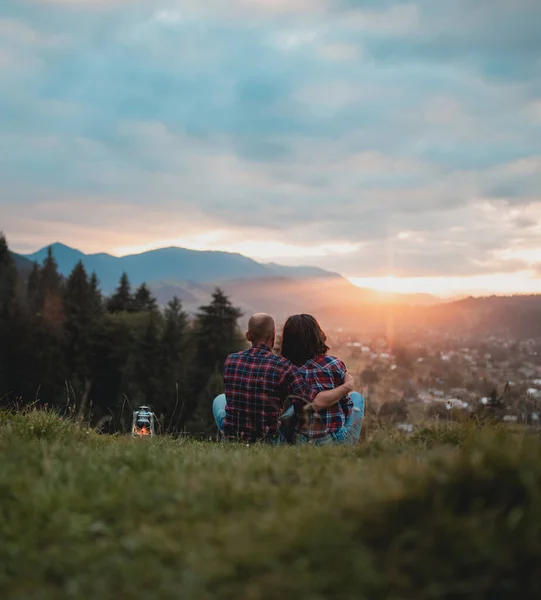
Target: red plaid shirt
x,y
257,383
323,373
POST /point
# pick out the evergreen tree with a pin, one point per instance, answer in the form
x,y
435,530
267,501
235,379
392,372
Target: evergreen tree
x,y
32,287
80,317
8,292
51,280
46,362
113,343
49,291
8,281
122,299
143,300
216,332
147,365
95,295
175,363
216,336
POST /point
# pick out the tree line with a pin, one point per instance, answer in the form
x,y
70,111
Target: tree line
x,y
65,345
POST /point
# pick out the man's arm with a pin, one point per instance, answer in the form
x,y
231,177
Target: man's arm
x,y
329,398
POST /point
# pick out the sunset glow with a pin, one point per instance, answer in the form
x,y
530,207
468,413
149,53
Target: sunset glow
x,y
522,282
273,134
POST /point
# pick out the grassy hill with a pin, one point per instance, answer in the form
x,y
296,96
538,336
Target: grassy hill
x,y
446,513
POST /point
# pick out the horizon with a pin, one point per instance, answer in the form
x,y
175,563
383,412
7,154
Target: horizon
x,y
445,289
397,143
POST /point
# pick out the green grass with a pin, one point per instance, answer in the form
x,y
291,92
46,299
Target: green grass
x,y
449,512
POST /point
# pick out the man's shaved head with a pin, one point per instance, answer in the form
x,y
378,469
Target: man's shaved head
x,y
261,329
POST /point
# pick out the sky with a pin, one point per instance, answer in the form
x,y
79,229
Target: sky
x,y
395,142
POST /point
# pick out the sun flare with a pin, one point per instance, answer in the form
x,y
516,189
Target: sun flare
x,y
521,282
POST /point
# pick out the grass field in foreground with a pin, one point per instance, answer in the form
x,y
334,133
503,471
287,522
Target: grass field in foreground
x,y
449,512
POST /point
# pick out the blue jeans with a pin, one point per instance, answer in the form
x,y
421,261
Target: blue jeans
x,y
218,410
349,434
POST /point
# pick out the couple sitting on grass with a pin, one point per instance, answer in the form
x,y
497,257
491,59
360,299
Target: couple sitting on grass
x,y
302,396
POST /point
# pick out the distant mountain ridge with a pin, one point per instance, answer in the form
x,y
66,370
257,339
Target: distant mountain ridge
x,y
280,290
192,275
165,264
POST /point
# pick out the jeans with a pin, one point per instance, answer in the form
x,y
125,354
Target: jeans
x,y
349,434
218,410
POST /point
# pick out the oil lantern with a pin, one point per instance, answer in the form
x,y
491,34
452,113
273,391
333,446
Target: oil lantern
x,y
143,422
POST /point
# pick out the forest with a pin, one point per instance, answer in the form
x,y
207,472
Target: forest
x,y
94,358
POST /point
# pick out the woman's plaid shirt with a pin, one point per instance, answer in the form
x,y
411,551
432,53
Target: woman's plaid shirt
x,y
257,383
323,373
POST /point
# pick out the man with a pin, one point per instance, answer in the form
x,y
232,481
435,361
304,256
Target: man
x,y
257,383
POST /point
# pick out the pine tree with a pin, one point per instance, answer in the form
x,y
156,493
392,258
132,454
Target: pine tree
x,y
95,295
49,291
79,321
147,365
51,280
175,363
46,334
8,293
8,281
216,336
32,289
122,299
113,345
143,300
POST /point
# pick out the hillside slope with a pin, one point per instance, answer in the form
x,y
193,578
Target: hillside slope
x,y
444,513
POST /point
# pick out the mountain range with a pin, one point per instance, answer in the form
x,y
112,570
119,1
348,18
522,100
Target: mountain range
x,y
281,290
254,286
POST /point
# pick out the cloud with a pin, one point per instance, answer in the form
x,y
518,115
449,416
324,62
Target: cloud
x,y
283,6
406,133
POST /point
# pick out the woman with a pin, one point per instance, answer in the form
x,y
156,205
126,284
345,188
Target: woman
x,y
304,344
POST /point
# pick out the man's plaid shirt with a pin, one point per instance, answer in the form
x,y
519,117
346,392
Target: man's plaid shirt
x,y
257,383
323,373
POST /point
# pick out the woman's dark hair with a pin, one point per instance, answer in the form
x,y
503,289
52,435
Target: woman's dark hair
x,y
302,339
